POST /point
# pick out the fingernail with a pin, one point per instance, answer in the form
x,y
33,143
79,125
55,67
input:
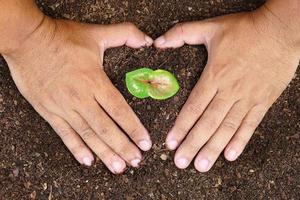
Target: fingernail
x,y
182,163
202,165
160,41
145,145
231,155
118,166
149,40
87,161
172,144
135,162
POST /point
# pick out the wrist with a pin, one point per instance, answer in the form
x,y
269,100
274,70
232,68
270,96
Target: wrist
x,y
36,42
277,19
19,23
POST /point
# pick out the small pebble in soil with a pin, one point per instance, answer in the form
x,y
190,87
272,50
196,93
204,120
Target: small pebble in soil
x,y
164,157
45,186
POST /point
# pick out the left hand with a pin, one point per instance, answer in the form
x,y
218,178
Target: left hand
x,y
249,66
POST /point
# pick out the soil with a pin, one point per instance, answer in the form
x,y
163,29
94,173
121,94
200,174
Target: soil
x,y
34,164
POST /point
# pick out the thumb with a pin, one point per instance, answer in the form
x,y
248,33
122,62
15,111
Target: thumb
x,y
128,34
192,33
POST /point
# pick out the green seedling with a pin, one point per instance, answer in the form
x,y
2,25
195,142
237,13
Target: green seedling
x,y
158,84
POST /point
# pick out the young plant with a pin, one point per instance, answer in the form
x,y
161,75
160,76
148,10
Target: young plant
x,y
158,84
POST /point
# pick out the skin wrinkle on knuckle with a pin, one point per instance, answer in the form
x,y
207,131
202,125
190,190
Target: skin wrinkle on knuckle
x,y
237,86
67,94
100,130
86,133
134,133
74,95
218,104
229,125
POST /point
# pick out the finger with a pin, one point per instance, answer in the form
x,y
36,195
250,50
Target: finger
x,y
117,107
216,144
202,131
245,132
109,133
128,34
192,33
70,138
113,161
197,102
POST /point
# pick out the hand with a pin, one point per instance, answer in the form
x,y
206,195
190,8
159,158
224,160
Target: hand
x,y
58,69
248,68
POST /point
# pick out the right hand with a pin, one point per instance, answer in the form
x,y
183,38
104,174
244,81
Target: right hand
x,y
59,70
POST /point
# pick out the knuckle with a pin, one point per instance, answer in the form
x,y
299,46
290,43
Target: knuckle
x,y
134,132
230,125
219,104
86,133
70,93
74,94
102,130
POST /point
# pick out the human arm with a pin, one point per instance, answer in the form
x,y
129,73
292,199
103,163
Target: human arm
x,y
252,57
57,65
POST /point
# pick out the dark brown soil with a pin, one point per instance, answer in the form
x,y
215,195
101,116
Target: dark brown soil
x,y
35,164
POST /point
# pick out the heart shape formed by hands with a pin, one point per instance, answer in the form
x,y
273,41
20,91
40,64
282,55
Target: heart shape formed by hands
x,y
83,107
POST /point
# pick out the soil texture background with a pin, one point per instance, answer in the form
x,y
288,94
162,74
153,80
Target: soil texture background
x,y
34,164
